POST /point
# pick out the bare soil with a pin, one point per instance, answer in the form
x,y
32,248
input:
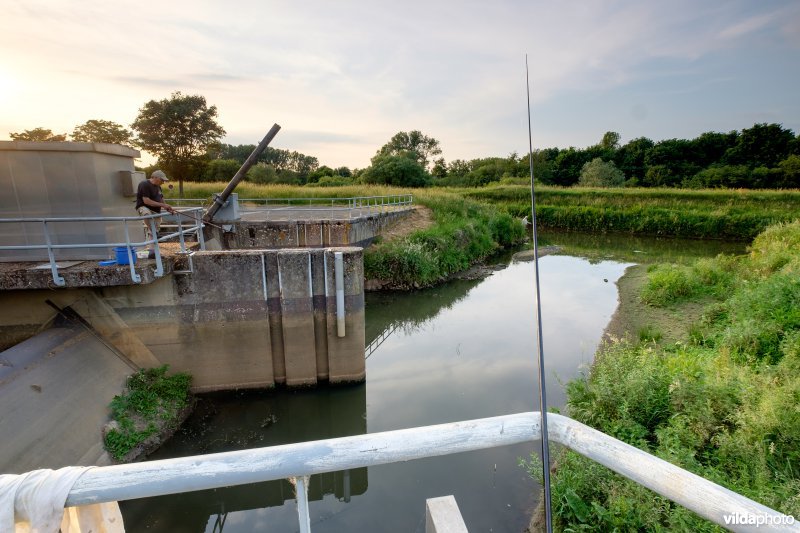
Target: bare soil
x,y
633,316
420,218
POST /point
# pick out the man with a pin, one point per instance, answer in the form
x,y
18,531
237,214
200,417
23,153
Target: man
x,y
150,199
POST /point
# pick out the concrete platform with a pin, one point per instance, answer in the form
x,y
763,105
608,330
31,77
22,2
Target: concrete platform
x,y
316,214
81,274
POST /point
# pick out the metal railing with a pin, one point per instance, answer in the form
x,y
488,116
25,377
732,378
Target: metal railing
x,y
352,206
191,215
297,462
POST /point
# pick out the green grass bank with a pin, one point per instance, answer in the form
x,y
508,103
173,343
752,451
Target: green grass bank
x,y
718,396
464,232
701,214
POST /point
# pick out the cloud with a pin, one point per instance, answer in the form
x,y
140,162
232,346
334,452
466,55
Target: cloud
x,y
367,71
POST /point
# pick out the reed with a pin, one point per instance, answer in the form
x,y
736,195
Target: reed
x,y
705,214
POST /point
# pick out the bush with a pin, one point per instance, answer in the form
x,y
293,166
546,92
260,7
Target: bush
x,y
724,408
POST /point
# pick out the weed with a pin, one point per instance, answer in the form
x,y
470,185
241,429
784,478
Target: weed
x,y
151,400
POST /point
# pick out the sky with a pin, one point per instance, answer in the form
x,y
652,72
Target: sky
x,y
342,77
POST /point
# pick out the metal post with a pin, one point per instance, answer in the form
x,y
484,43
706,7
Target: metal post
x,y
156,249
198,224
58,280
338,269
301,489
131,256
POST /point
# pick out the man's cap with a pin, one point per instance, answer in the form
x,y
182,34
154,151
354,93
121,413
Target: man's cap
x,y
159,174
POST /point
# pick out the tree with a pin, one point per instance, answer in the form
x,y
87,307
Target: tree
x,y
439,169
599,173
38,134
414,142
221,170
178,130
567,166
102,131
711,146
630,157
763,145
675,159
402,170
610,140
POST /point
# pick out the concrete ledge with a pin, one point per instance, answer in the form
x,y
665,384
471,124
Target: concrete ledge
x,y
67,146
443,516
23,275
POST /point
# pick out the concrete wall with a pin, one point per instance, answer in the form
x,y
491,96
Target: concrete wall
x,y
249,319
243,319
63,179
247,234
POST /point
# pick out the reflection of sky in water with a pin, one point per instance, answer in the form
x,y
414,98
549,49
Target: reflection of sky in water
x,y
463,350
478,358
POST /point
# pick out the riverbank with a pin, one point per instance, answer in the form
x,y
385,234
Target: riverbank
x,y
730,214
704,376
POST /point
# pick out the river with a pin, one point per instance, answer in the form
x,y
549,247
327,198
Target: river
x,y
463,350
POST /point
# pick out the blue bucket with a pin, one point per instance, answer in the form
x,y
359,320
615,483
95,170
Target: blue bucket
x,y
121,253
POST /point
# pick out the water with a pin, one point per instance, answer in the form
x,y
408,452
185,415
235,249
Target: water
x,y
460,351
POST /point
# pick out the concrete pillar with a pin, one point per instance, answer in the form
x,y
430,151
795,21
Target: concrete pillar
x,y
343,365
297,316
320,313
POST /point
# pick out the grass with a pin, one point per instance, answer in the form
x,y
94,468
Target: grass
x,y
464,231
722,404
152,401
708,214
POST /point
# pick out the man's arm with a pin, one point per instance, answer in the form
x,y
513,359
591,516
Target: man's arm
x,y
152,203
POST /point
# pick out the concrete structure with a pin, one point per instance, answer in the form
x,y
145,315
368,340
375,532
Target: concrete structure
x,y
55,391
442,516
259,229
64,179
241,319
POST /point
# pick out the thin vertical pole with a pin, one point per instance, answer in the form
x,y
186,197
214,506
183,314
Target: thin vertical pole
x,y
301,489
540,344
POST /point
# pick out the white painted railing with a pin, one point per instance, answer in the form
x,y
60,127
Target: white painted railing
x,y
298,461
193,229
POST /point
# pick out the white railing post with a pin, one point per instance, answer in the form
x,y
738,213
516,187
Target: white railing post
x,y
301,491
57,279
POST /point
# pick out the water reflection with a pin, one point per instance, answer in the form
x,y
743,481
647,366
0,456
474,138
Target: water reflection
x,y
459,351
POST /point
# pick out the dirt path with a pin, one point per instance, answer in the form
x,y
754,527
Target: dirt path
x,y
420,218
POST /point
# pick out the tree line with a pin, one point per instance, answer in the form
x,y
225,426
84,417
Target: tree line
x,y
183,133
765,156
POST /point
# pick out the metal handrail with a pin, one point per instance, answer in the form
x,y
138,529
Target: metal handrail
x,y
195,229
299,461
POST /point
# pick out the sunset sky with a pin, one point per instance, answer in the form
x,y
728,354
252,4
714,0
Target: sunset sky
x,y
342,77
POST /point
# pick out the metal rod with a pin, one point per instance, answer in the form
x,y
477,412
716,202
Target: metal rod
x,y
338,271
301,489
539,343
220,199
198,219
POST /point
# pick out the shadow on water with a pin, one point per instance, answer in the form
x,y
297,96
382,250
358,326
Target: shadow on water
x,y
243,420
463,350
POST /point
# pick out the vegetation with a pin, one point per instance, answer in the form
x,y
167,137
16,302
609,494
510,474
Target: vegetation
x,y
722,404
464,232
151,403
102,131
177,130
38,134
710,214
